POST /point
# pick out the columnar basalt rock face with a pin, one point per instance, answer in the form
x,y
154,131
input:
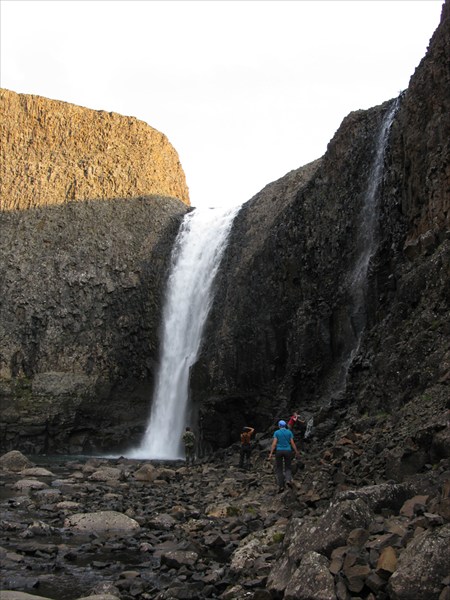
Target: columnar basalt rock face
x,y
53,152
80,308
91,203
421,143
282,334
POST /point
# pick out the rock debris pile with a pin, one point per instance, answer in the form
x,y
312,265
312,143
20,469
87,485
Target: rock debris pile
x,y
126,529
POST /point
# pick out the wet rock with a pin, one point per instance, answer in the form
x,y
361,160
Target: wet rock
x,y
16,595
68,505
102,521
25,485
14,461
36,472
100,597
106,474
146,473
179,558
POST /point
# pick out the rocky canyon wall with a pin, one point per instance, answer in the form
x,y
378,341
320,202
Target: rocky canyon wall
x,y
283,332
54,152
92,204
82,284
80,308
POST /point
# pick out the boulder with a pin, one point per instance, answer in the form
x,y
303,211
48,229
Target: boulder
x,y
321,535
387,563
36,472
178,558
14,461
441,444
383,495
146,473
422,566
332,529
106,474
312,580
25,485
102,522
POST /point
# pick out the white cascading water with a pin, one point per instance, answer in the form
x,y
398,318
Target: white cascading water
x,y
196,258
367,235
366,245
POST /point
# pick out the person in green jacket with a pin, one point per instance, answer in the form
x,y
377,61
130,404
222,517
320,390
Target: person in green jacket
x,y
189,446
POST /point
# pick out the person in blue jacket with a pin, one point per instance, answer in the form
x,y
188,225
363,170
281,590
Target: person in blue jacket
x,y
283,445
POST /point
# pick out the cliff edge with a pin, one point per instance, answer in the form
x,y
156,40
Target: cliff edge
x,y
53,152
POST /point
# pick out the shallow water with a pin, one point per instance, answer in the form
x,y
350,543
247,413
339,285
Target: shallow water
x,y
62,564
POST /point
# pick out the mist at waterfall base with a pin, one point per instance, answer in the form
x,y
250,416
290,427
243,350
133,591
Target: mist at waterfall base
x,y
195,261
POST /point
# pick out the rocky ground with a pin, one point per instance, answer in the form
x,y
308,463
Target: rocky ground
x,y
366,518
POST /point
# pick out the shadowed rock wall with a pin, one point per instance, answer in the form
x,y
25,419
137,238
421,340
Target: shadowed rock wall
x,y
53,152
282,326
80,308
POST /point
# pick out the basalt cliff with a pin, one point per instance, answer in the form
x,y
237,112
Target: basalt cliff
x,y
91,203
54,152
290,327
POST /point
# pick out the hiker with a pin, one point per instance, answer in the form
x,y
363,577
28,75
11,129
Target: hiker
x,y
246,447
283,444
293,421
189,446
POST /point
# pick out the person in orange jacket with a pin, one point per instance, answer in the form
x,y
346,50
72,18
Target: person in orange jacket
x,y
246,447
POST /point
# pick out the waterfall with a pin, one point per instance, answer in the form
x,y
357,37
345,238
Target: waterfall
x,y
309,428
195,261
366,245
366,241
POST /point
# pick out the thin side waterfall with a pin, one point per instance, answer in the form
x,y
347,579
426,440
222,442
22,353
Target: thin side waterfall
x,y
366,242
366,245
196,258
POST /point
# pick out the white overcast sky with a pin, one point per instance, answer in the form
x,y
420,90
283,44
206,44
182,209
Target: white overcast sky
x,y
245,90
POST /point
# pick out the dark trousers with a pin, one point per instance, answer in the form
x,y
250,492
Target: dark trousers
x,y
190,455
283,460
244,457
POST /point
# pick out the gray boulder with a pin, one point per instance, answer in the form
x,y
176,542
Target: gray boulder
x,y
321,535
14,461
422,567
102,521
312,580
